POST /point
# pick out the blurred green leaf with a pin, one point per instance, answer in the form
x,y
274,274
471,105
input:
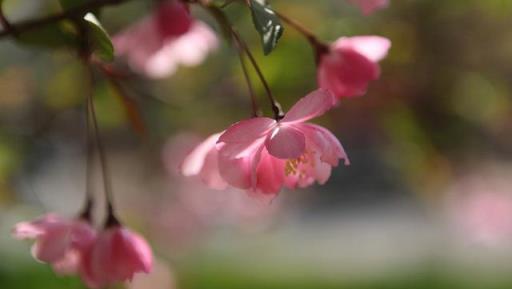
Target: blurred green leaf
x,y
53,35
100,40
66,4
267,23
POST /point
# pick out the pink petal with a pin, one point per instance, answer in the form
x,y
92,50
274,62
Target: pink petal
x,y
328,146
194,161
346,73
312,105
237,172
172,18
249,130
370,6
375,48
269,175
286,142
210,174
189,49
52,246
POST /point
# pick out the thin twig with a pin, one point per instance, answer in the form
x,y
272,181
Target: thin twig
x,y
111,219
276,107
255,109
78,10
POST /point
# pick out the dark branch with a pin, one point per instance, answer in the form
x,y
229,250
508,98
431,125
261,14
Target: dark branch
x,y
77,11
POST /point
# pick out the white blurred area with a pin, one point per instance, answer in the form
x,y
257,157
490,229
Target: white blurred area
x,y
468,234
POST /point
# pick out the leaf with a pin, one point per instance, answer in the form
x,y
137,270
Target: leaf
x,y
53,35
66,4
267,23
99,38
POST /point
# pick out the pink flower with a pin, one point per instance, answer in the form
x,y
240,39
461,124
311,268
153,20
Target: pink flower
x,y
370,6
158,44
115,257
262,154
203,161
59,241
351,63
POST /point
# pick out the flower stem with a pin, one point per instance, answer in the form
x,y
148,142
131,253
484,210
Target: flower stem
x,y
255,110
111,219
276,107
319,46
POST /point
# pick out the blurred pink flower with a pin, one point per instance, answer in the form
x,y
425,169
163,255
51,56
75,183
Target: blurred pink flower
x,y
370,6
261,154
203,161
485,215
158,44
191,210
116,256
351,63
59,241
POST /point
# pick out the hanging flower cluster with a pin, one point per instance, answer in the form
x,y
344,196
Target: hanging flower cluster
x,y
260,155
73,246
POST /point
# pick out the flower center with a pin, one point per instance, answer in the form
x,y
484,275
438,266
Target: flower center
x,y
299,166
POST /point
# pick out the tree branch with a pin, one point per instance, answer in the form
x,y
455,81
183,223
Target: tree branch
x,y
19,28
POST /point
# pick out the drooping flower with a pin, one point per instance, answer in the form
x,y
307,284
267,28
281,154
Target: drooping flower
x,y
58,241
170,37
203,161
262,155
350,64
116,256
370,6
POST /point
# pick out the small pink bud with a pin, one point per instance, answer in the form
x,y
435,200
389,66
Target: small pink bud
x,y
351,63
370,6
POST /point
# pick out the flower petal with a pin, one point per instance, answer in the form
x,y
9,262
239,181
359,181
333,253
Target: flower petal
x,y
286,142
375,48
195,161
326,143
269,175
312,105
247,130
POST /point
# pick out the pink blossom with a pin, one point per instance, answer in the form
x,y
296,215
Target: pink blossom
x,y
351,63
158,44
58,241
203,161
262,154
482,209
116,256
370,6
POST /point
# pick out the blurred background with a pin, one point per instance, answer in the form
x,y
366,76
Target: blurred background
x,y
426,203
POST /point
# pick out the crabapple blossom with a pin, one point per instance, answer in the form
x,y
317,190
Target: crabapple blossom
x,y
370,6
350,64
58,241
170,37
116,255
262,155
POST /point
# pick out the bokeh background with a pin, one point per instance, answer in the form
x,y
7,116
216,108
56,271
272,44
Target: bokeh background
x,y
426,203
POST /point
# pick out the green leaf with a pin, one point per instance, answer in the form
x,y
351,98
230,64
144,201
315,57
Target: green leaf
x,y
267,23
54,35
99,38
66,4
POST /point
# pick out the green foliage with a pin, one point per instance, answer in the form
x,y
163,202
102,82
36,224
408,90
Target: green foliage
x,y
53,35
100,40
267,24
66,4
